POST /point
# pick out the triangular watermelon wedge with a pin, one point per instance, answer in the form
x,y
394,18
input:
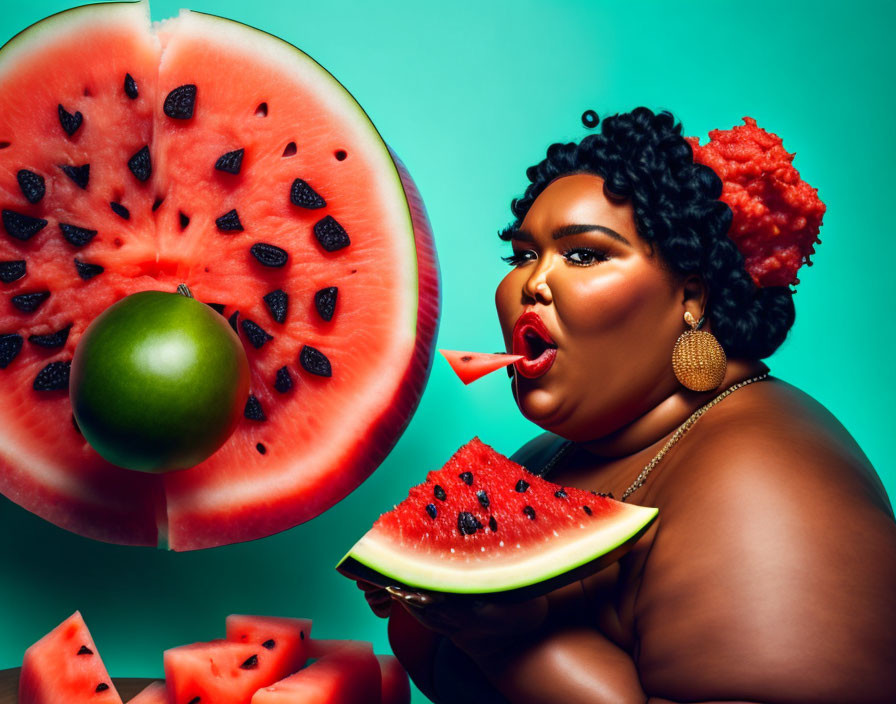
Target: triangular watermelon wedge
x,y
65,666
484,524
470,366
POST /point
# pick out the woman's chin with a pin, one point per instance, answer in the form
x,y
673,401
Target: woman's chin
x,y
537,405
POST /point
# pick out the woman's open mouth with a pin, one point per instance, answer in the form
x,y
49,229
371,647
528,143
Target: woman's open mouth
x,y
532,340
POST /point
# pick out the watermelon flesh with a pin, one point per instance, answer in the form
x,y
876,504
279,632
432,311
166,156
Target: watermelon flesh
x,y
483,524
223,672
396,687
470,366
287,637
204,152
65,666
348,674
156,693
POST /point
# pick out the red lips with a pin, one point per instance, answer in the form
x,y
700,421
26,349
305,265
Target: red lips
x,y
532,340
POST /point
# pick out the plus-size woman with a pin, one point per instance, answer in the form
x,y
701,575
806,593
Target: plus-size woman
x,y
770,575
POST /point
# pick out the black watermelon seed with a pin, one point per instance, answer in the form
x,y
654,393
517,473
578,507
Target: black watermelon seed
x,y
521,486
262,110
250,664
331,235
229,222
22,227
70,123
184,220
32,185
608,495
10,346
261,450
12,270
314,361
340,155
483,498
253,410
5,145
231,162
79,174
232,320
467,523
290,149
466,477
217,306
75,424
102,687
30,302
530,512
283,382
277,303
130,87
84,649
256,334
53,377
439,493
466,358
432,510
587,510
194,700
140,164
301,635
157,203
180,102
120,210
77,236
561,494
269,254
325,302
304,196
51,340
492,524
88,271
269,644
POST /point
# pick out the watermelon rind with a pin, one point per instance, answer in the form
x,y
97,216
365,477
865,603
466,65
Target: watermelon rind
x,y
379,559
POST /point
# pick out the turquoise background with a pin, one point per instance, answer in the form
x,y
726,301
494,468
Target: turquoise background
x,y
469,94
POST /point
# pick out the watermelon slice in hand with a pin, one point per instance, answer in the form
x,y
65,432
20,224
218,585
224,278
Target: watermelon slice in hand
x,y
470,366
483,524
205,152
65,666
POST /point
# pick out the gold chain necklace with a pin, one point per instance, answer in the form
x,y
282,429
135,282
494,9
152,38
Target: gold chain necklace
x,y
679,433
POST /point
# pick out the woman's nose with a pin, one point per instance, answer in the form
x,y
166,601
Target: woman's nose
x,y
536,287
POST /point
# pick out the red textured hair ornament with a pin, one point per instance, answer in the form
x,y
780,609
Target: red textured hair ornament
x,y
777,215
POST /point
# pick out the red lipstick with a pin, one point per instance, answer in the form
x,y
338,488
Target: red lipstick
x,y
532,340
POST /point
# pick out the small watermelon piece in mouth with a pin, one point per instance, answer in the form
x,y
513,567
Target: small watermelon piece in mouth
x,y
65,666
470,366
484,524
205,152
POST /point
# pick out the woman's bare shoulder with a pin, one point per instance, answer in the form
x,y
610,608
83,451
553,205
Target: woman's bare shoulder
x,y
773,568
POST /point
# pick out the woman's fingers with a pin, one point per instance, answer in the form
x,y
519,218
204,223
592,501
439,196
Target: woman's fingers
x,y
377,598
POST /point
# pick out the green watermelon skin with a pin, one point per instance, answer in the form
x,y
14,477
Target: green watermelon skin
x,y
322,436
65,666
483,524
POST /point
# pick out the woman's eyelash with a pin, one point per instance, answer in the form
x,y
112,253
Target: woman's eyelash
x,y
517,258
596,255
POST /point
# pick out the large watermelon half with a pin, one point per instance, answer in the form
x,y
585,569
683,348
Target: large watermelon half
x,y
205,152
483,524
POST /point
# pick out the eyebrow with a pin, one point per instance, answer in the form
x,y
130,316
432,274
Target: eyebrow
x,y
565,231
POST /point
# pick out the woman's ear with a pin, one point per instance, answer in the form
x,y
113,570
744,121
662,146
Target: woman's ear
x,y
694,296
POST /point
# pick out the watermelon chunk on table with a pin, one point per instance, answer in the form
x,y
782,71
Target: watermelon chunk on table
x,y
348,674
65,666
205,152
288,638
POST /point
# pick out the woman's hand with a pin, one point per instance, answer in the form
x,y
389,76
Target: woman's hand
x,y
477,625
378,599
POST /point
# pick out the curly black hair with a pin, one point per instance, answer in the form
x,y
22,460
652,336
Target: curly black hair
x,y
643,158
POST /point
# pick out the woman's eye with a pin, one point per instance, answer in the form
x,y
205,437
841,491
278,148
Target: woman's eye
x,y
583,256
518,258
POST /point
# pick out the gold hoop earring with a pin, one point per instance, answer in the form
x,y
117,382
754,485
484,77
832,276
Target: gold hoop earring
x,y
698,359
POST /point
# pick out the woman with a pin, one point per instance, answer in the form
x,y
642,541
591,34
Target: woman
x,y
746,589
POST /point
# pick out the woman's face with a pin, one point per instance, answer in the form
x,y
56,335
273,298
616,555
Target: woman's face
x,y
591,286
